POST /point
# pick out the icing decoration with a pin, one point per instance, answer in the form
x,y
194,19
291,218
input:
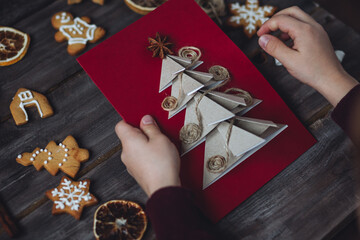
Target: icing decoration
x,y
71,197
250,15
75,31
24,97
53,154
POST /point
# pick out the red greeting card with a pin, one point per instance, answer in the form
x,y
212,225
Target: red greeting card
x,y
129,77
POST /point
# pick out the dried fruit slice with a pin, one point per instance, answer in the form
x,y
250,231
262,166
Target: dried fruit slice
x,y
143,7
119,220
13,45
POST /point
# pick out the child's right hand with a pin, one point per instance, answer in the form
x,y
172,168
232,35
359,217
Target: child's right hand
x,y
311,59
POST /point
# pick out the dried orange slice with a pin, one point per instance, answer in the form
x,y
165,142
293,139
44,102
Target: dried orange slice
x,y
143,7
119,220
13,45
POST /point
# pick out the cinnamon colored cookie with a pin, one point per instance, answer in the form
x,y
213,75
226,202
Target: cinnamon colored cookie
x,y
13,45
25,98
71,197
250,16
76,31
66,156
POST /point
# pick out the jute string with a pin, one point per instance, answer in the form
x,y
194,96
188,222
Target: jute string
x,y
241,93
190,133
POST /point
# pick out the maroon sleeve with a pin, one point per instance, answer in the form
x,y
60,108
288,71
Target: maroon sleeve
x,y
346,113
174,215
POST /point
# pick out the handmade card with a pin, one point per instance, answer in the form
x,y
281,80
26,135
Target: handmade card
x,y
135,84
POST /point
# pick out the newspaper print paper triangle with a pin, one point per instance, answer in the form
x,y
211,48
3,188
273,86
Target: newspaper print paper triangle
x,y
171,66
215,145
189,87
211,113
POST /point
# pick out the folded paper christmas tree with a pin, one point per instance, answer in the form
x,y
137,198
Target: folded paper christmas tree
x,y
129,77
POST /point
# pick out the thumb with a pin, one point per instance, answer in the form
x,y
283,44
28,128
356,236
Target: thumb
x,y
149,126
127,133
276,48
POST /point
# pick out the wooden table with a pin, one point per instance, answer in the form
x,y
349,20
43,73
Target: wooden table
x,y
310,199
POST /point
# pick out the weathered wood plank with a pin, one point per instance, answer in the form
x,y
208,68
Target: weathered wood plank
x,y
306,200
47,62
13,11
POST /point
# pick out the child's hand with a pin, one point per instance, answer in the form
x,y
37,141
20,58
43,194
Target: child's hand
x,y
311,59
149,156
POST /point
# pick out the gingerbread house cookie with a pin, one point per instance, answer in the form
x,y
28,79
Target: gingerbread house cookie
x,y
25,98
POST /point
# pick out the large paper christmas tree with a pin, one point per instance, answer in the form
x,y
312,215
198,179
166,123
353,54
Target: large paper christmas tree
x,y
212,116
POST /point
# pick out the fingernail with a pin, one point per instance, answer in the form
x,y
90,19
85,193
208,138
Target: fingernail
x,y
263,41
147,119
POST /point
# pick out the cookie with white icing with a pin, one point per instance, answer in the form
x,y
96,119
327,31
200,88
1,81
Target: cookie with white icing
x,y
77,31
250,16
66,157
25,98
71,197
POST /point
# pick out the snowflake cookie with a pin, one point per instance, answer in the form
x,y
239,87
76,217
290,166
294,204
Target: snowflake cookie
x,y
250,16
66,156
71,197
78,31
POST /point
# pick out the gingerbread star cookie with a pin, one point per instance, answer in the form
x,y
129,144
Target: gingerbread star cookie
x,y
25,98
77,31
66,157
71,197
250,16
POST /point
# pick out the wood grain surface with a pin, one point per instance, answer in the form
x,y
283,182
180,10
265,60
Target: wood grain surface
x,y
308,200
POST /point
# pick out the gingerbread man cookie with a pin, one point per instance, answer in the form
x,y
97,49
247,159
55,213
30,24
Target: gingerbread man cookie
x,y
77,31
251,16
26,98
71,197
66,156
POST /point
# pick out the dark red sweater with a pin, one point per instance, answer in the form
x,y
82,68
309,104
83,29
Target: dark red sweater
x,y
172,210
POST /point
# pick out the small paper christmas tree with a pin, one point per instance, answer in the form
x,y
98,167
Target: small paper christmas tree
x,y
212,116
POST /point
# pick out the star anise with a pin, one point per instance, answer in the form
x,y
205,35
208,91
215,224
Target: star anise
x,y
159,46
